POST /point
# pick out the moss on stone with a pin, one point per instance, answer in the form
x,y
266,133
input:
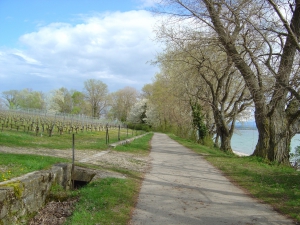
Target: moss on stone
x,y
18,188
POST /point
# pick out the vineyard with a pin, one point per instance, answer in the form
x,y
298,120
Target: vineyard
x,y
58,128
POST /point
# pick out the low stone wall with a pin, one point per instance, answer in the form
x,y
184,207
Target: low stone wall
x,y
25,195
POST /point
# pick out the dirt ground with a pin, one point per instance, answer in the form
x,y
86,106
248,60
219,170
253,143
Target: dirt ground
x,y
55,213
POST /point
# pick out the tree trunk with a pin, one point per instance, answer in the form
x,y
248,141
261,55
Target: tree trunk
x,y
225,141
274,138
224,132
276,130
272,122
216,143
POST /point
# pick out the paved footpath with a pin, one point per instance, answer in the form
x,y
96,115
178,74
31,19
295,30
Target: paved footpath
x,y
183,188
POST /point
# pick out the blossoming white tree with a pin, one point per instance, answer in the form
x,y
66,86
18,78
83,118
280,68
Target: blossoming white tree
x,y
137,113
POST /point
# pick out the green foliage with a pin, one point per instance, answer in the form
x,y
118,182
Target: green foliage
x,y
139,126
208,141
59,194
79,105
198,120
25,98
143,114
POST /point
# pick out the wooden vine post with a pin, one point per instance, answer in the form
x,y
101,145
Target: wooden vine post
x,y
107,135
73,159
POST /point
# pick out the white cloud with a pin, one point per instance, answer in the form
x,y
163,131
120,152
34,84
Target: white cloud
x,y
149,3
24,57
113,47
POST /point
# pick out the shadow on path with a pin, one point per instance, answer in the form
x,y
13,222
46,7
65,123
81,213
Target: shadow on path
x,y
183,188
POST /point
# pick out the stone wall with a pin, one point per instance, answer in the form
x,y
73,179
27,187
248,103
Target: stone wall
x,y
25,195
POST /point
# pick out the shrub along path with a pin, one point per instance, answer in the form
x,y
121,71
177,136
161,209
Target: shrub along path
x,y
183,188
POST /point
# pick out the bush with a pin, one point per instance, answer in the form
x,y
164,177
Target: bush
x,y
139,126
208,141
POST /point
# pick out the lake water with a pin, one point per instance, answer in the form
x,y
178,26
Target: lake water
x,y
244,141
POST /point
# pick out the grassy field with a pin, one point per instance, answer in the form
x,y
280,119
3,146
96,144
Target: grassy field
x,y
83,140
105,201
138,146
276,185
14,165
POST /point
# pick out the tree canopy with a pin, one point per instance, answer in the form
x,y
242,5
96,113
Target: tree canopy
x,y
261,38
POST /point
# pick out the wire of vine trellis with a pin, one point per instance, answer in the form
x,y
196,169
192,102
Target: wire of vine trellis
x,y
78,118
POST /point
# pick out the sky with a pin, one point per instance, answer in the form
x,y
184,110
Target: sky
x,y
49,44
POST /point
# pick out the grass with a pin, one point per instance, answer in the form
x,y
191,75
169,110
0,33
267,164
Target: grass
x,y
83,140
106,201
138,146
14,165
274,184
111,200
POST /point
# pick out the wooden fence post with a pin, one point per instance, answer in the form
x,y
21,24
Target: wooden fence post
x,y
107,135
73,159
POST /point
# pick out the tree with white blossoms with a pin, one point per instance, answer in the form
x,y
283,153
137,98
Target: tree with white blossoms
x,y
152,116
137,113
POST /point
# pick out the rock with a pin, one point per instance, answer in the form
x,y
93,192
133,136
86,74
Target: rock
x,y
82,174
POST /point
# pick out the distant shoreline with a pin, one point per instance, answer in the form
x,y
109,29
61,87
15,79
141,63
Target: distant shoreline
x,y
245,128
244,140
250,128
240,153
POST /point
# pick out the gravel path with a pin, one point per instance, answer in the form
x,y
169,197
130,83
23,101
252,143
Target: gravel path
x,y
183,188
106,159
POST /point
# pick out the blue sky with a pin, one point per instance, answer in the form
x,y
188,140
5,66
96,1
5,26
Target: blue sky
x,y
48,44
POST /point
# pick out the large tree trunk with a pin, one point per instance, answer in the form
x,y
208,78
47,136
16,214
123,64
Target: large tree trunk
x,y
225,142
274,138
223,132
276,129
272,122
276,132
